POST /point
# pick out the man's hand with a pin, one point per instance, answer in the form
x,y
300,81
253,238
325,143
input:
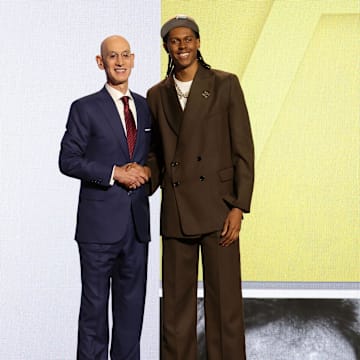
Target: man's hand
x,y
131,175
147,171
232,226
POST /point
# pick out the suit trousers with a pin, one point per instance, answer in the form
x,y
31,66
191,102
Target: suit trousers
x,y
224,328
121,267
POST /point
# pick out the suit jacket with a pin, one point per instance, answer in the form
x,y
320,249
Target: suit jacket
x,y
93,143
203,157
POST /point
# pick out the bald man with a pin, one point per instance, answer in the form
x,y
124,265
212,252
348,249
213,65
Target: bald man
x,y
105,145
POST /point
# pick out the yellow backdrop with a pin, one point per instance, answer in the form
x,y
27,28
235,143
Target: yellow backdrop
x,y
298,63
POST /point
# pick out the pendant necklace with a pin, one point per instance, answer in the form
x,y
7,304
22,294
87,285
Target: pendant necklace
x,y
180,93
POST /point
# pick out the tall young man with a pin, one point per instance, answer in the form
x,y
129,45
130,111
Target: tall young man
x,y
203,158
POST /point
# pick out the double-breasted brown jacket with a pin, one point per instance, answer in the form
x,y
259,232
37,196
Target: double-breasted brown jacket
x,y
202,157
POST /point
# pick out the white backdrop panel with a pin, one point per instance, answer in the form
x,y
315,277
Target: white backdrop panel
x,y
48,60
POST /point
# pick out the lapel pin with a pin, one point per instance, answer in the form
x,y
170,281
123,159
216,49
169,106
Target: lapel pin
x,y
205,94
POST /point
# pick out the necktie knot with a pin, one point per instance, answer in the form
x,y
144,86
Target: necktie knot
x,y
125,100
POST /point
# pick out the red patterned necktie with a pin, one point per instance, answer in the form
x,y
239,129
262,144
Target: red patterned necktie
x,y
130,126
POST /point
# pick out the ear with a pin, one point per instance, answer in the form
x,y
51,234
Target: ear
x,y
99,62
198,43
165,47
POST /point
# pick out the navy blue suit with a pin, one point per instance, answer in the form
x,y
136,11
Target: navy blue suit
x,y
113,226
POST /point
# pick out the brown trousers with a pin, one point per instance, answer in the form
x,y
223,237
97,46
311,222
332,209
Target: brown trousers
x,y
224,327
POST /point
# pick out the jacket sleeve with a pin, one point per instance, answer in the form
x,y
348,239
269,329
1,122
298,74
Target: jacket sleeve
x,y
242,147
78,157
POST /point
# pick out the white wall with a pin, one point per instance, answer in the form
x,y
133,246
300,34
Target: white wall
x,y
47,60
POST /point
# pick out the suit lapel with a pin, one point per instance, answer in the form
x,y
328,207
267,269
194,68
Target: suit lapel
x,y
200,98
172,108
140,130
111,115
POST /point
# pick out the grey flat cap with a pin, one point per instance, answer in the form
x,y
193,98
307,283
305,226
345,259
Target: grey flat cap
x,y
179,21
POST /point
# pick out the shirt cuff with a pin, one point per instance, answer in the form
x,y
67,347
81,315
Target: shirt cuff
x,y
112,180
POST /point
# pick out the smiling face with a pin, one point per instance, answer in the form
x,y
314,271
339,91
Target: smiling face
x,y
117,61
182,45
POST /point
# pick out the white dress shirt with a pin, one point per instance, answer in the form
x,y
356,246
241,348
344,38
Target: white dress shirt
x,y
116,95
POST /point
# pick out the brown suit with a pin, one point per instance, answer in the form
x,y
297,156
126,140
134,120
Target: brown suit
x,y
203,158
207,153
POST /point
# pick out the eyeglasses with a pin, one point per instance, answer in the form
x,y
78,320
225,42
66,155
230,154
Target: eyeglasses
x,y
125,55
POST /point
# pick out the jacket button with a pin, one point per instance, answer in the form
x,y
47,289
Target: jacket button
x,y
174,163
202,178
176,183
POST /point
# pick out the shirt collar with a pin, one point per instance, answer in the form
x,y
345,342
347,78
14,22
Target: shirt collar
x,y
116,94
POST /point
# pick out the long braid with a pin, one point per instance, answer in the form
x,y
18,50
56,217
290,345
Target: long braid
x,y
202,61
170,66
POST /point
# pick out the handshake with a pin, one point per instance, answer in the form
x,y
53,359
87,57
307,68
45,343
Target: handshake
x,y
132,175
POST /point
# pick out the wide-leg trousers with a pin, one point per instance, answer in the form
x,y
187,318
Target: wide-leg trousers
x,y
224,328
121,267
